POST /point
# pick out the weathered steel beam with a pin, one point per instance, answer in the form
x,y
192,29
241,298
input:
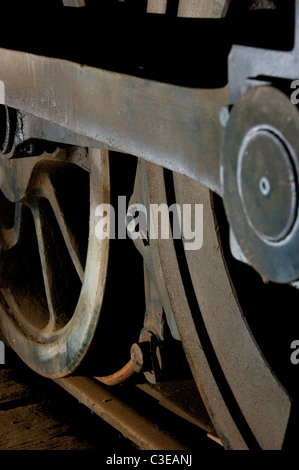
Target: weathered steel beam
x,y
176,127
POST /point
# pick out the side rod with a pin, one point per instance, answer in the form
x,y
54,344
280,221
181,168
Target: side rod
x,y
176,127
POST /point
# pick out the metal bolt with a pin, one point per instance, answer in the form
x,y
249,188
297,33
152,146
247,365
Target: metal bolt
x,y
29,149
137,357
146,356
141,357
265,186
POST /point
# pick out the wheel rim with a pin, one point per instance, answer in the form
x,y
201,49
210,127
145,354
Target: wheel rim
x,y
55,339
247,403
262,401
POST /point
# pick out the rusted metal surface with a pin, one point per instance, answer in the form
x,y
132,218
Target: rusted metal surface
x,y
137,357
118,377
152,360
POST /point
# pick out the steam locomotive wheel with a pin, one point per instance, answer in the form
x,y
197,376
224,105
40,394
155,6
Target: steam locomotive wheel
x,y
256,399
235,344
247,402
53,267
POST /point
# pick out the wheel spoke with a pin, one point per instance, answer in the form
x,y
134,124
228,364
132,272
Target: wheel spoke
x,y
48,314
47,273
67,234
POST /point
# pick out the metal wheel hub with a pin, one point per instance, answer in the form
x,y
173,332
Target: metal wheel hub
x,y
260,181
267,185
